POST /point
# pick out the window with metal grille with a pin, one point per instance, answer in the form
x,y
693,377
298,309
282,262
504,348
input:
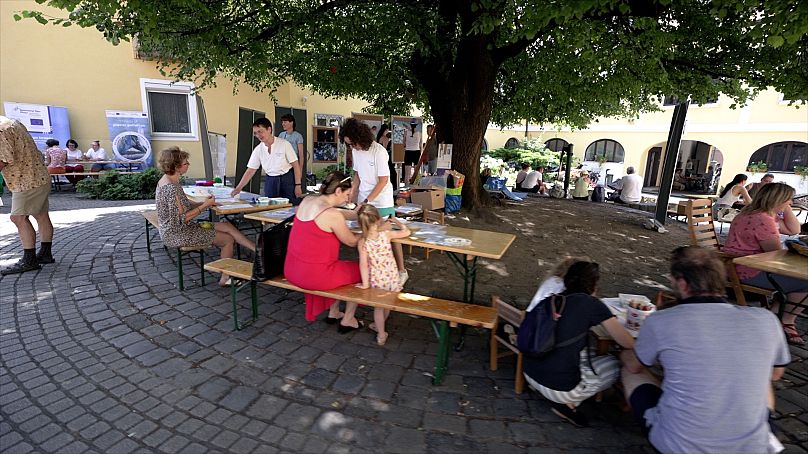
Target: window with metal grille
x,y
782,156
609,148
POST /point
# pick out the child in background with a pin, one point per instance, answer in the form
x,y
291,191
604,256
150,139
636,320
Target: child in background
x,y
555,281
376,262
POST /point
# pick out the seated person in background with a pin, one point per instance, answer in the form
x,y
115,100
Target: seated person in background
x,y
753,188
630,187
568,375
757,229
55,157
96,153
734,194
679,181
581,191
484,175
533,182
74,154
520,177
705,345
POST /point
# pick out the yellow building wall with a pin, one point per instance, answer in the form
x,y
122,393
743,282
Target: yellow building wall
x,y
77,69
736,133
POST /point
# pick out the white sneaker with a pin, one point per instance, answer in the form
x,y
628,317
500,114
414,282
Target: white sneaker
x,y
402,277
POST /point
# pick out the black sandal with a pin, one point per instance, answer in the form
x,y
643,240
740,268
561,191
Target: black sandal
x,y
343,329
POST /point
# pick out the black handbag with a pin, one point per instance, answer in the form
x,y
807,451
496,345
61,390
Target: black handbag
x,y
270,250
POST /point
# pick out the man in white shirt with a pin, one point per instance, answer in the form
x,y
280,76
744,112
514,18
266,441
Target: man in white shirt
x,y
279,161
631,187
534,182
96,153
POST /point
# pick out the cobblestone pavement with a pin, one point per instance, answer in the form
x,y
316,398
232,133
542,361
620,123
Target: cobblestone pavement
x,y
102,353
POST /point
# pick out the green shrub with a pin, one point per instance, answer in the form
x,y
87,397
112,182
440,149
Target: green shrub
x,y
115,186
325,171
532,151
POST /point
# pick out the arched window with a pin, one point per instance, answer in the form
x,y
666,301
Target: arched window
x,y
613,151
782,156
512,143
485,146
556,144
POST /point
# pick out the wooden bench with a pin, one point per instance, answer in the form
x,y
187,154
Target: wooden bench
x,y
152,221
445,314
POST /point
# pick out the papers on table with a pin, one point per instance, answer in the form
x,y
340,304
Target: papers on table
x,y
619,311
409,209
280,214
235,206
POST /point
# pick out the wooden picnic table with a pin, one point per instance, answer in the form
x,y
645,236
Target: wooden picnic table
x,y
782,262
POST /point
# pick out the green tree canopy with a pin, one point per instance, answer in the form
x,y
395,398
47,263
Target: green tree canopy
x,y
468,62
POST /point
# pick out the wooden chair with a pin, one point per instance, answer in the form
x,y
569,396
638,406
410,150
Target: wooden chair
x,y
509,318
701,228
431,216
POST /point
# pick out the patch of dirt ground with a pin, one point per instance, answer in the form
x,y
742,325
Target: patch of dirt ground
x,y
632,258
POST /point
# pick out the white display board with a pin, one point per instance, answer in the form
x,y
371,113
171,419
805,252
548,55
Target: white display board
x,y
445,156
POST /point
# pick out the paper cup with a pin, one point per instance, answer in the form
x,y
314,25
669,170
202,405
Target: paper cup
x,y
636,313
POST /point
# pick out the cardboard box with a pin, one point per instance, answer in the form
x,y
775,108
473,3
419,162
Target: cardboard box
x,y
431,199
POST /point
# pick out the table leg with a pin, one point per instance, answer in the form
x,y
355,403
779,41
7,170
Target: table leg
x,y
442,361
467,266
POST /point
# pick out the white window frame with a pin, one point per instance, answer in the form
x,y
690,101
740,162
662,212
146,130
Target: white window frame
x,y
168,86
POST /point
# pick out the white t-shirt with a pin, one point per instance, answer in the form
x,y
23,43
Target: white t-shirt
x,y
553,284
632,188
370,165
100,155
532,179
520,177
276,162
74,155
412,141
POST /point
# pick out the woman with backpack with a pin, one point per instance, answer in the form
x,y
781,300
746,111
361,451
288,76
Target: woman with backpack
x,y
568,374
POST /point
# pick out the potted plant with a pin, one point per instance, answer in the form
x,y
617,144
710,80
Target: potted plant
x,y
757,167
802,171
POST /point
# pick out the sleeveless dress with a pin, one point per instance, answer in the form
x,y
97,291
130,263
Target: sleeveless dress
x,y
173,229
728,200
382,264
312,263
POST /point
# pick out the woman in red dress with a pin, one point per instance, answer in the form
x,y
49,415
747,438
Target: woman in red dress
x,y
312,257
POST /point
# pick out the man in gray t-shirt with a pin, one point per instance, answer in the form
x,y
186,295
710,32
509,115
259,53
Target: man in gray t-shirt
x,y
718,360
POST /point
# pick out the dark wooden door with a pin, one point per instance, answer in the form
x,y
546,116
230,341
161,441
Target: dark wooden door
x,y
652,166
244,147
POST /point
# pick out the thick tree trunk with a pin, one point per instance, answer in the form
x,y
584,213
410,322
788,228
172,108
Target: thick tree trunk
x,y
472,93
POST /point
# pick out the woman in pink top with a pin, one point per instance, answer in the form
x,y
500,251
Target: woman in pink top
x,y
55,157
757,229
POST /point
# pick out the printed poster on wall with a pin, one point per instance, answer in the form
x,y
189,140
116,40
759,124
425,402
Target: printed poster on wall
x,y
42,122
130,136
445,156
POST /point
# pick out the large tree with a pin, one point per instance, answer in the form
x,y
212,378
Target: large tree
x,y
471,62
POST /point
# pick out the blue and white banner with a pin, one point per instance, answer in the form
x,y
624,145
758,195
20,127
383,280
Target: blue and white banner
x,y
130,136
42,122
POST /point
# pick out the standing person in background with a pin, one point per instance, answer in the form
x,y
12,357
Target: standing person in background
x,y
55,157
27,178
296,139
432,149
412,149
280,162
371,179
96,153
384,138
